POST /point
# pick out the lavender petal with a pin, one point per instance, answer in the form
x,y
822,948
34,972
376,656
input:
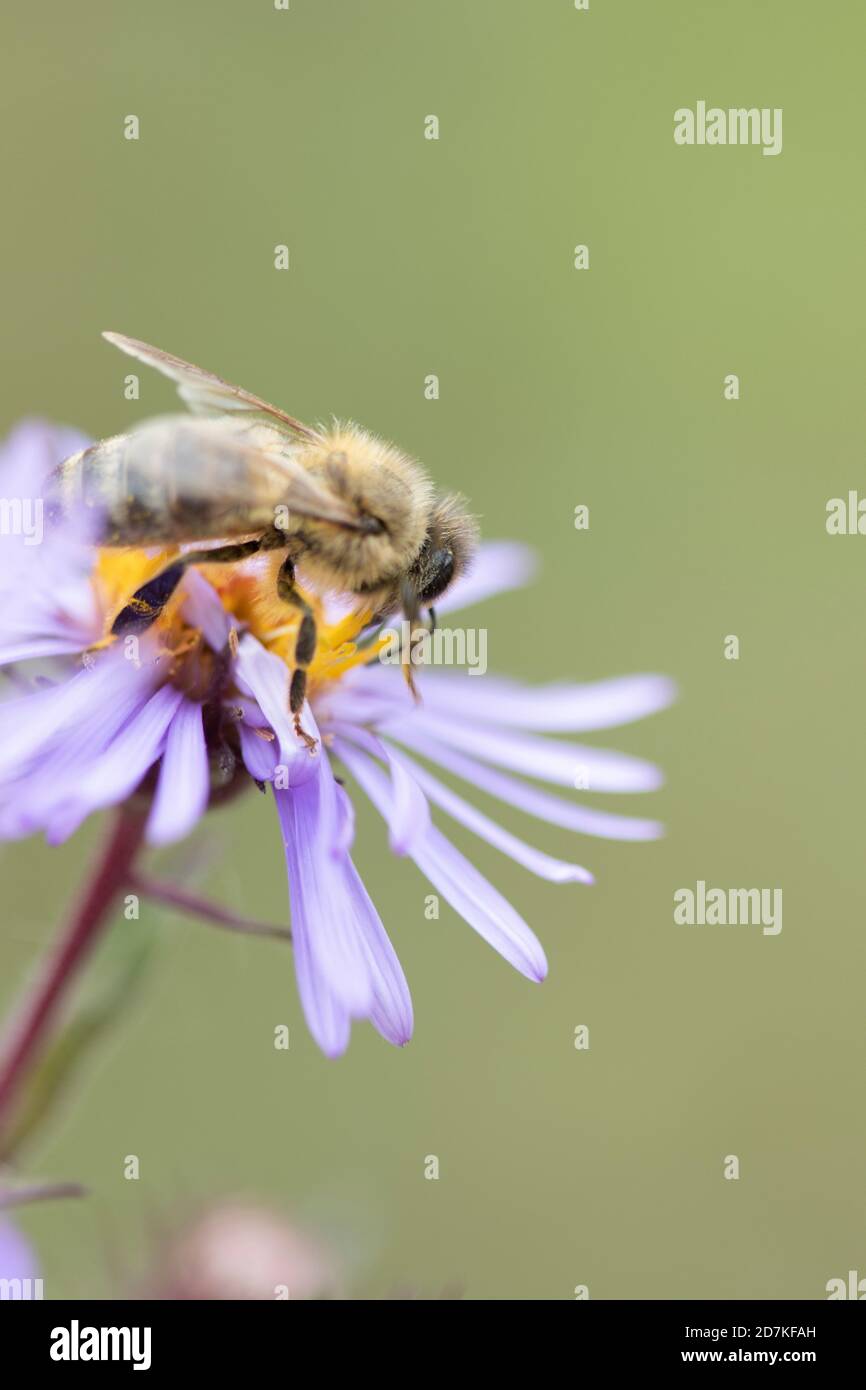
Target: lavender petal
x,y
548,708
203,609
409,816
327,1019
260,755
17,1257
525,797
498,567
184,779
459,882
267,679
549,760
535,860
391,1013
115,773
318,905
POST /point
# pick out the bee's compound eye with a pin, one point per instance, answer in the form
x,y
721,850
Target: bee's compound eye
x,y
440,572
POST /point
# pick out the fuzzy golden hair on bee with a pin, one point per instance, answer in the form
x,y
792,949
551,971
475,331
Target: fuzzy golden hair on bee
x,y
381,484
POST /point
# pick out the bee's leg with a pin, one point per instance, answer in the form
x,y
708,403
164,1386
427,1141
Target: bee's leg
x,y
411,608
305,646
149,601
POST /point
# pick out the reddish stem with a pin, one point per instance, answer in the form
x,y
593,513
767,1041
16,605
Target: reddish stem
x,y
28,1030
42,1192
182,901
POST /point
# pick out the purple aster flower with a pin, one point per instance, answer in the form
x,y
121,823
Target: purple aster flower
x,y
199,707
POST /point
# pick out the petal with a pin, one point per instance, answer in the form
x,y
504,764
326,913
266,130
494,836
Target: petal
x,y
482,906
498,567
252,715
32,449
336,822
115,773
260,754
37,648
409,816
535,860
327,1019
17,1259
333,913
60,733
459,882
391,1014
549,708
319,907
345,836
203,609
184,778
267,678
601,769
45,588
80,707
371,695
522,795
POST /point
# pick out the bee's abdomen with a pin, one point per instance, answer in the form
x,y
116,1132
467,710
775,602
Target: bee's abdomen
x,y
168,481
131,501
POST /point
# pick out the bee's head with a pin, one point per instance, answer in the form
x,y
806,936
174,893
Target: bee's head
x,y
447,551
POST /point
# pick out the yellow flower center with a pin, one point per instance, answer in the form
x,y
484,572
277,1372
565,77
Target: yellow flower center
x,y
248,592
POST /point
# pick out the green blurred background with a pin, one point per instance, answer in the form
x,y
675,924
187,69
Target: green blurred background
x,y
558,387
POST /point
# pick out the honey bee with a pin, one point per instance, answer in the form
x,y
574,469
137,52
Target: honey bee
x,y
357,513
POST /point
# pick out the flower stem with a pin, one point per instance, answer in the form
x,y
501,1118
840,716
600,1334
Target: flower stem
x,y
29,1029
40,1192
189,903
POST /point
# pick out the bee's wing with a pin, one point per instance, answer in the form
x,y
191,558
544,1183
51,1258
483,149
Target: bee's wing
x,y
206,394
208,459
